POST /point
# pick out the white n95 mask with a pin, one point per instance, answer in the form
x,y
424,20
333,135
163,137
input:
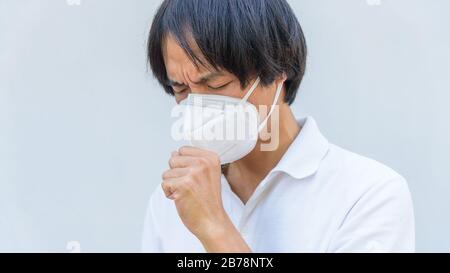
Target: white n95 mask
x,y
225,125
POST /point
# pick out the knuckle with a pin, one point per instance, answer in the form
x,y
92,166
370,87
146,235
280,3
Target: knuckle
x,y
188,182
202,162
185,150
198,161
172,161
191,172
194,174
201,166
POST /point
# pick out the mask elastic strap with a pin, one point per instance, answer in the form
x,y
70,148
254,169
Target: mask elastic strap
x,y
250,91
277,95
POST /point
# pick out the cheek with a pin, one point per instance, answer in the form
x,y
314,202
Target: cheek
x,y
258,97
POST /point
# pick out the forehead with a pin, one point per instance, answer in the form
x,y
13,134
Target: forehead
x,y
178,61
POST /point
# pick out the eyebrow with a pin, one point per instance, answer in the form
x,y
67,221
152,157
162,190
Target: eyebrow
x,y
208,77
173,83
202,79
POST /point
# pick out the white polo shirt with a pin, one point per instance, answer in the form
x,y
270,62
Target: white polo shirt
x,y
319,198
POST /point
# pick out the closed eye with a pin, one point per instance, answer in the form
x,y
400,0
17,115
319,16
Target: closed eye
x,y
179,88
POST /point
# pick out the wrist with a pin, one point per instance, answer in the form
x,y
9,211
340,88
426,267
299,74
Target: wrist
x,y
223,237
219,229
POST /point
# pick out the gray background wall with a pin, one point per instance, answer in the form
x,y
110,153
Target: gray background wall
x,y
84,128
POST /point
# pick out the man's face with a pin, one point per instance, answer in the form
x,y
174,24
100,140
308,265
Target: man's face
x,y
185,77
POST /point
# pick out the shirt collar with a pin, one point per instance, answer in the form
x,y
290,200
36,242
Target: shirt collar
x,y
306,152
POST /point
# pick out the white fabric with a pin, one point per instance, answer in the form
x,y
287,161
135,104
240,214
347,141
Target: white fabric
x,y
319,198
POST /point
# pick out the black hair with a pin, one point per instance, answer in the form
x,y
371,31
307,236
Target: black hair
x,y
244,37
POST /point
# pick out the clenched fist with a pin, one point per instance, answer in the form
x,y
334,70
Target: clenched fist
x,y
193,182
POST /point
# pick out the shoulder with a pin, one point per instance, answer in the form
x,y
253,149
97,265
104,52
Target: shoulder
x,y
360,182
359,171
378,212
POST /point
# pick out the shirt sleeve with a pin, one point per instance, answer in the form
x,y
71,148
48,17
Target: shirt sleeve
x,y
382,220
150,236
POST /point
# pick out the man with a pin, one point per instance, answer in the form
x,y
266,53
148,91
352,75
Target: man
x,y
305,194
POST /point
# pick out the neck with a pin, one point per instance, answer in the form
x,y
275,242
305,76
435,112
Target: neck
x,y
245,174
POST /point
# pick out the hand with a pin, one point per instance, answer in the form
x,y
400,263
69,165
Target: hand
x,y
194,183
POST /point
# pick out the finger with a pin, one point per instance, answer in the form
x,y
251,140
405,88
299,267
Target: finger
x,y
194,151
169,187
174,173
174,196
166,189
182,161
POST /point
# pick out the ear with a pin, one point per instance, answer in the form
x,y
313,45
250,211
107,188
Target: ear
x,y
281,79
